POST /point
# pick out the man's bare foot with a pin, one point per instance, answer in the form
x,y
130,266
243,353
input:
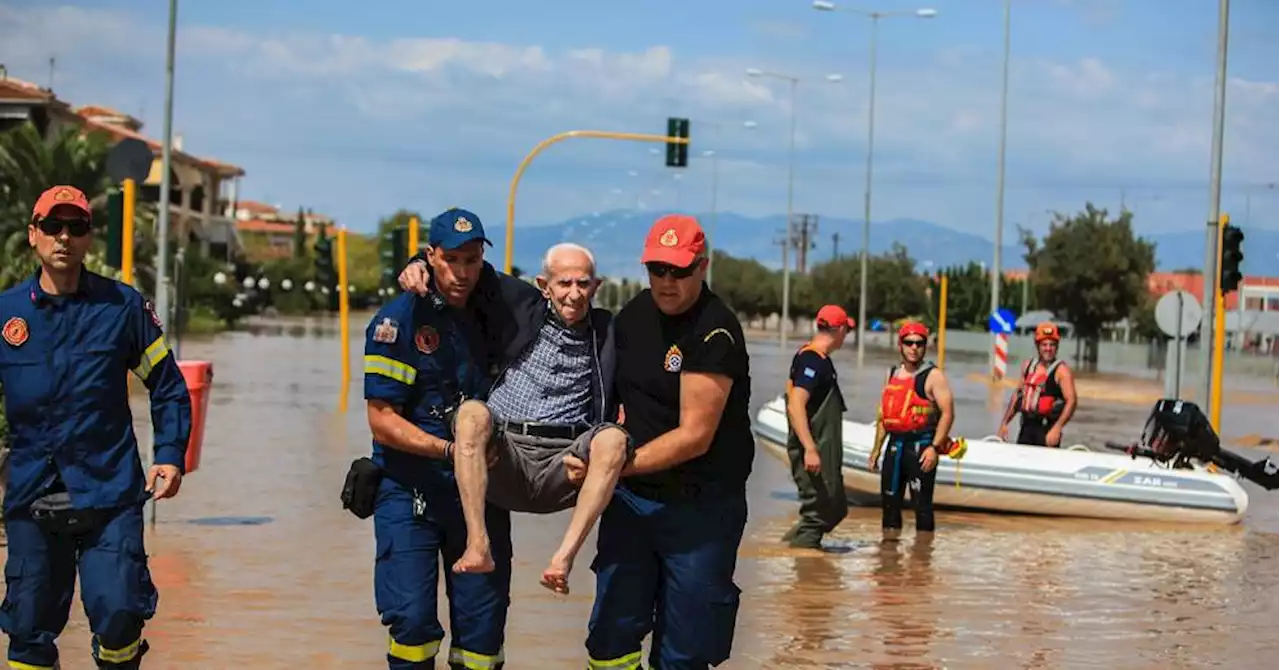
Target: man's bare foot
x,y
556,576
476,559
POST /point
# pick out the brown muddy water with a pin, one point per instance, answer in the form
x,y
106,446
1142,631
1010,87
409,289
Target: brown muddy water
x,y
259,567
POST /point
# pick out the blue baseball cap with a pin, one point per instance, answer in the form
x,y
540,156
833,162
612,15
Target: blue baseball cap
x,y
455,227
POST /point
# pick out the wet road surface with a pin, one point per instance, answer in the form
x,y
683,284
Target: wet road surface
x,y
259,567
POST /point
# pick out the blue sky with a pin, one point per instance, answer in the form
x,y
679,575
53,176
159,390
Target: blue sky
x,y
356,109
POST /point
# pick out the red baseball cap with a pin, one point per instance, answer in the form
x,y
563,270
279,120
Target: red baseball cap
x,y
834,315
913,328
676,239
58,196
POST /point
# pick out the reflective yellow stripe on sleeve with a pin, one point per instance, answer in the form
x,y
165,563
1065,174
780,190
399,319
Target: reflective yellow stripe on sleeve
x,y
413,653
389,368
151,358
629,662
19,665
473,661
121,655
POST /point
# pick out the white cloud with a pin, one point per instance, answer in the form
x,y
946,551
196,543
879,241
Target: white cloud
x,y
452,118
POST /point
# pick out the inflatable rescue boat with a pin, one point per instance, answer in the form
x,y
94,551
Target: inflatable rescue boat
x,y
1074,481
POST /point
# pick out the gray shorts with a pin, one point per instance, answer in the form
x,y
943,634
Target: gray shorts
x,y
530,476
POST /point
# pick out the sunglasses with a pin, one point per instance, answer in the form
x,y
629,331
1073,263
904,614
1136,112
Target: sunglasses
x,y
664,269
913,343
54,227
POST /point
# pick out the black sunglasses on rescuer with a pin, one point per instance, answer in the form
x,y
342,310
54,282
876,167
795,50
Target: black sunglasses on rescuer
x,y
53,227
663,269
913,342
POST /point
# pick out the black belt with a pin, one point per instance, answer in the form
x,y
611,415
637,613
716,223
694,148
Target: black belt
x,y
554,431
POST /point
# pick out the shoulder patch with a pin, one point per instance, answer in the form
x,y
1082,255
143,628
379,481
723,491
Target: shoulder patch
x,y
386,332
15,331
719,331
674,360
151,312
426,339
810,373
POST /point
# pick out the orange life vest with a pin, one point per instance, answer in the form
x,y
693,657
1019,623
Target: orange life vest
x,y
904,407
1035,379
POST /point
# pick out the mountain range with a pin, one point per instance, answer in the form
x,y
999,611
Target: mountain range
x,y
615,238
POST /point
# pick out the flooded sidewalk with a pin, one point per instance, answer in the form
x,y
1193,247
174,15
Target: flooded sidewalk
x,y
259,567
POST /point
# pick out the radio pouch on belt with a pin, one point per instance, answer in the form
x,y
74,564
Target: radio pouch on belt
x,y
360,490
55,515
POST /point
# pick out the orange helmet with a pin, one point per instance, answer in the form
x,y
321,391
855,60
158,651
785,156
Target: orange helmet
x,y
1047,331
912,328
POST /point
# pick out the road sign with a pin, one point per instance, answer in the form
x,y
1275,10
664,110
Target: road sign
x,y
1001,321
1178,314
130,159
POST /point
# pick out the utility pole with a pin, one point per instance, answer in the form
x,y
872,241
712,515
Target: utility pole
x,y
803,240
835,246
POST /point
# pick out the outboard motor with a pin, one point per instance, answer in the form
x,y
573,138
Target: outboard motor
x,y
1177,432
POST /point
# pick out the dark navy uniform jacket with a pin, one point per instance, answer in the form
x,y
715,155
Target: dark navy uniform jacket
x,y
64,366
424,357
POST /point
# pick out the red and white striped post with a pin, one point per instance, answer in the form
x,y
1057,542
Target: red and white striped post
x,y
1001,359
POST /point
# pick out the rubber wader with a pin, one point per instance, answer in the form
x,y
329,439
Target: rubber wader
x,y
823,504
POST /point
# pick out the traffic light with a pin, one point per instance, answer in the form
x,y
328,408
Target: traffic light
x,y
394,256
677,152
1232,256
114,237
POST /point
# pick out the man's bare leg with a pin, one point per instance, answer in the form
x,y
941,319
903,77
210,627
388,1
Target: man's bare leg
x,y
472,427
607,456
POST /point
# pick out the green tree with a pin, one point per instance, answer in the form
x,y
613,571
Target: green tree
x,y
300,236
894,289
747,286
969,295
29,164
1091,270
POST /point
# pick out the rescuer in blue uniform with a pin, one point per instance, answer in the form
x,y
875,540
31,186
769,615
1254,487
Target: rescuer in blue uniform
x,y
75,484
426,371
668,541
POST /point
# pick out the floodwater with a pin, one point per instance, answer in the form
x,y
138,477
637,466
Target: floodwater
x,y
259,567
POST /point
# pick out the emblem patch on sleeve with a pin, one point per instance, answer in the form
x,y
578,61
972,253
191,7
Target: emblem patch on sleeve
x,y
16,332
674,359
426,339
386,332
151,312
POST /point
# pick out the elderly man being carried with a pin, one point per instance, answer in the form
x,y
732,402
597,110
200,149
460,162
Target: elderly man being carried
x,y
552,408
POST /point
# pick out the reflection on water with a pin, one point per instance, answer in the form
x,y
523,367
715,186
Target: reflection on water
x,y
259,566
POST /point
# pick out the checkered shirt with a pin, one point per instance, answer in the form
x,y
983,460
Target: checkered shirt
x,y
552,381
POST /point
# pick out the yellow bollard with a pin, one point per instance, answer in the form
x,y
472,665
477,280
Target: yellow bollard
x,y
130,191
942,322
1219,336
414,232
344,318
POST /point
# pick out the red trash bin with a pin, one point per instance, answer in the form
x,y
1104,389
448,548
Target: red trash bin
x,y
199,378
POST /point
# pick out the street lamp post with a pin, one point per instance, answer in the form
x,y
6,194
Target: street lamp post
x,y
715,187
791,170
1212,252
823,5
1004,127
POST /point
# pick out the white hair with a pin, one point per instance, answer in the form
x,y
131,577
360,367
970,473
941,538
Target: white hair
x,y
562,247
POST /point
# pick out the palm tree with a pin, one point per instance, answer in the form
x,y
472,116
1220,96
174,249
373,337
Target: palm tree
x,y
29,164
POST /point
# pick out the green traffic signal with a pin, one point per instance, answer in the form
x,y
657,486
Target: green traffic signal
x,y
1232,257
115,228
678,152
